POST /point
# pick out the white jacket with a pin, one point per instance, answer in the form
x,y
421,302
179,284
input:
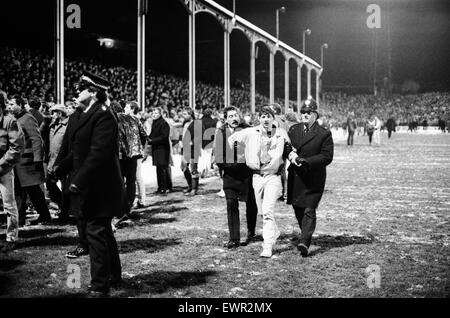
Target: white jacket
x,y
251,137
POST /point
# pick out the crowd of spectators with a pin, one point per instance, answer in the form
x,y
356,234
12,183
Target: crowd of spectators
x,y
424,109
30,73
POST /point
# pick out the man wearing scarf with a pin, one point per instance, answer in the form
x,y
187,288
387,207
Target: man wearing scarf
x,y
313,151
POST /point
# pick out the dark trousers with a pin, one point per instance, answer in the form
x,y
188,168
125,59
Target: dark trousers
x,y
57,196
389,133
306,218
370,134
82,236
163,176
128,169
351,134
191,174
283,179
103,254
37,198
234,225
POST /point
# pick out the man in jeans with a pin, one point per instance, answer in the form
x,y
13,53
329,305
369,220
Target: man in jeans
x,y
11,146
264,148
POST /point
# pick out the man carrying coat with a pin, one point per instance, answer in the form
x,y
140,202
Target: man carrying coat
x,y
96,185
313,151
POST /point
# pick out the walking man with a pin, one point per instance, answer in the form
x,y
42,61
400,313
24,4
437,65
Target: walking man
x,y
313,151
237,178
264,148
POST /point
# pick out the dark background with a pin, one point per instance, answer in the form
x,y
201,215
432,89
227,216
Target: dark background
x,y
420,33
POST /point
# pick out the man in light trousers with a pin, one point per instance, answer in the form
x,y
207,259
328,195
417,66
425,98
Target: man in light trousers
x,y
264,147
11,147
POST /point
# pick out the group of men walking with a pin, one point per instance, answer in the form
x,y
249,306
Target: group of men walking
x,y
253,159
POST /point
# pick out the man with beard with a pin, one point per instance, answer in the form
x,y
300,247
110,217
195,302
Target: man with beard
x,y
237,178
96,185
312,152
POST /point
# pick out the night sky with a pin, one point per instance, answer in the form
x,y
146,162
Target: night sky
x,y
420,34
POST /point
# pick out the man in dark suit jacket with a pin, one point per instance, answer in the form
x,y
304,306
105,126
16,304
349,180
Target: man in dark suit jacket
x,y
96,185
237,179
312,151
160,142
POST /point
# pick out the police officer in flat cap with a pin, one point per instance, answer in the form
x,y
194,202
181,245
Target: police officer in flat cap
x,y
312,151
89,155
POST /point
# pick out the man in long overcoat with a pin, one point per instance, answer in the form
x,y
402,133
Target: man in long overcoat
x,y
96,185
313,151
29,171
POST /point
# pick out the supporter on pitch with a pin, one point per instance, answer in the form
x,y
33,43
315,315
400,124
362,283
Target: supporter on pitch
x,y
57,130
351,128
208,131
390,125
237,178
132,109
96,185
29,171
159,140
310,151
370,127
376,124
11,146
132,138
280,121
264,148
189,165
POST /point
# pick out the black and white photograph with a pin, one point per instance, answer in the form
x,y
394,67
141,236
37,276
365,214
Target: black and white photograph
x,y
232,156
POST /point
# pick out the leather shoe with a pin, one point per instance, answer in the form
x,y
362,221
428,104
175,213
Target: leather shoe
x,y
251,238
303,249
232,244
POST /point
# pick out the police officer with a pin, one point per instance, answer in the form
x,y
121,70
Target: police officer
x,y
96,185
313,151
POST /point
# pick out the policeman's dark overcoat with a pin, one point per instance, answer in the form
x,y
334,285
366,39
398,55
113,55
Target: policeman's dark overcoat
x,y
93,162
306,183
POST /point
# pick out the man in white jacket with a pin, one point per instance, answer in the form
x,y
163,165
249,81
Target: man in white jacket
x,y
264,147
